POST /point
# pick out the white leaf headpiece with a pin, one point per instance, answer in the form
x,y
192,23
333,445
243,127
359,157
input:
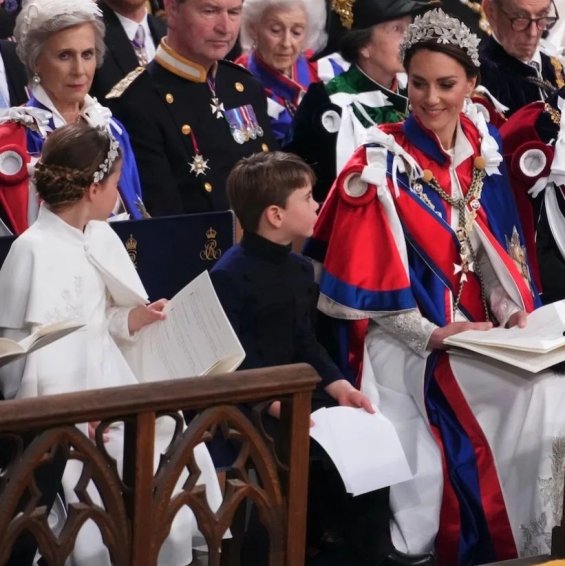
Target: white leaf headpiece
x,y
435,25
106,165
35,13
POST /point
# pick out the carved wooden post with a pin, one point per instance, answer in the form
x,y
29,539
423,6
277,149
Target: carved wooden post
x,y
138,474
296,420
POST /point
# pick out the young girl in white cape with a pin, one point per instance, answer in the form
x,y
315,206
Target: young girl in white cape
x,y
70,264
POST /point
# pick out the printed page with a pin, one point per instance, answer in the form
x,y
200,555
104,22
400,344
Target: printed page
x,y
44,335
533,362
543,333
195,338
10,349
365,448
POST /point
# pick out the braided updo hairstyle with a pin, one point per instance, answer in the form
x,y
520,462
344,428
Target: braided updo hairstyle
x,y
70,157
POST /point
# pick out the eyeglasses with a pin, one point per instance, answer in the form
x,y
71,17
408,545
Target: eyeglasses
x,y
520,23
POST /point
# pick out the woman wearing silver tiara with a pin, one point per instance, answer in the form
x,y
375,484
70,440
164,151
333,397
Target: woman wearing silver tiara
x,y
332,119
60,42
433,246
70,264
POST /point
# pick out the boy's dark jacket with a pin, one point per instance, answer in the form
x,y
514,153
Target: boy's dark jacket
x,y
268,293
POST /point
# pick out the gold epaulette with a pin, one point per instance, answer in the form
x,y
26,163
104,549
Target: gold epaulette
x,y
558,68
119,88
553,113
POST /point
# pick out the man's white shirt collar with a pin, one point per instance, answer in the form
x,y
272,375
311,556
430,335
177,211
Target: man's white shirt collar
x,y
130,27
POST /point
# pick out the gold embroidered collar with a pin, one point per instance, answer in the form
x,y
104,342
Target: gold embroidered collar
x,y
179,65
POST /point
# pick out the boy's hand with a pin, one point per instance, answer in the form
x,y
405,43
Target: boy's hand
x,y
92,426
347,396
142,316
275,409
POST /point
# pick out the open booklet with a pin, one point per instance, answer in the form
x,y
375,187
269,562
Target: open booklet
x,y
346,432
534,348
196,338
11,350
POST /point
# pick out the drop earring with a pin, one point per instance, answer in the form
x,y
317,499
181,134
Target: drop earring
x,y
467,104
36,79
409,107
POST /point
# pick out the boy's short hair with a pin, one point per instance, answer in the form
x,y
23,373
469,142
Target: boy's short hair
x,y
263,180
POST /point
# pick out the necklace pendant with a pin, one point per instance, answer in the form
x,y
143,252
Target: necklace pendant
x,y
217,107
469,221
464,267
475,204
199,165
461,232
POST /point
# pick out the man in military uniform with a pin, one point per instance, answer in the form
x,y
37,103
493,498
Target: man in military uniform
x,y
191,115
513,68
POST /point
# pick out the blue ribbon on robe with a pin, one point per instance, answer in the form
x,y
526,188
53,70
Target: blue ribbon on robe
x,y
281,89
475,545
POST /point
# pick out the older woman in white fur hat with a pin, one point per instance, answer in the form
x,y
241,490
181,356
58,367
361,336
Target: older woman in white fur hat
x,y
60,42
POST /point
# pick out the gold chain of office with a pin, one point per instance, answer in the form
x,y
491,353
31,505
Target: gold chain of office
x,y
465,226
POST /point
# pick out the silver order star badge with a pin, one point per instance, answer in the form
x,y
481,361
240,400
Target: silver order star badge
x,y
217,108
199,165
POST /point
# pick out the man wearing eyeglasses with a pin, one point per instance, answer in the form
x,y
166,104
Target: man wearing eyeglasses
x,y
513,68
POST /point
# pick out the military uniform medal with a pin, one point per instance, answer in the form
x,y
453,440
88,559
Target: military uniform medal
x,y
243,123
217,107
199,165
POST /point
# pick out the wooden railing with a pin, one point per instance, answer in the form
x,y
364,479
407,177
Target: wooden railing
x,y
138,508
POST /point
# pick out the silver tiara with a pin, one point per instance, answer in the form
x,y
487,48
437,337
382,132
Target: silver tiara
x,y
36,13
106,165
435,25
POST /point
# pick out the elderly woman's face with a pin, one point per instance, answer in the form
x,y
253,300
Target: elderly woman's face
x,y
437,87
279,37
382,53
66,65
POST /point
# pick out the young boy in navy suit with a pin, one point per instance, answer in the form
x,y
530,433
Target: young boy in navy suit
x,y
269,294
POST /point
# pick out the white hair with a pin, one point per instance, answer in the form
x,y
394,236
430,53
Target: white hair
x,y
315,11
39,19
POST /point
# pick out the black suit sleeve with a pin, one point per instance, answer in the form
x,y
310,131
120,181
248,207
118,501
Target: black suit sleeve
x,y
229,296
15,73
232,301
307,348
551,262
